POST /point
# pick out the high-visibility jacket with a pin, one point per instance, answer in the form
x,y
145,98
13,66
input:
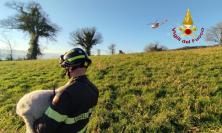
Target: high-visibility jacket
x,y
72,112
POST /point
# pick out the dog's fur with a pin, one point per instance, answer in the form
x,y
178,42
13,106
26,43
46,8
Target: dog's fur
x,y
32,105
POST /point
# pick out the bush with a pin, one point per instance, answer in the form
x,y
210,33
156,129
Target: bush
x,y
155,47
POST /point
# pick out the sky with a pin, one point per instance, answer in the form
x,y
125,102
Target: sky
x,y
122,22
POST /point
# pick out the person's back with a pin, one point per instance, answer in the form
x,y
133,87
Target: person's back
x,y
83,97
71,108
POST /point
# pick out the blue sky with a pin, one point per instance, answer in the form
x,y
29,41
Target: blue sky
x,y
122,22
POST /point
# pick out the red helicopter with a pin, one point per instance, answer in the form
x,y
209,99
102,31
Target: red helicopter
x,y
157,24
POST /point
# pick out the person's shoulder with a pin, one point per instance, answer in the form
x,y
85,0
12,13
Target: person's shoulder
x,y
73,88
61,96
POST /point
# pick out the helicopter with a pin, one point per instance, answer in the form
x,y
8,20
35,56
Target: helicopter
x,y
156,24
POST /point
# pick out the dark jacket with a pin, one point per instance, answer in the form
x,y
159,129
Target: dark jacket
x,y
71,113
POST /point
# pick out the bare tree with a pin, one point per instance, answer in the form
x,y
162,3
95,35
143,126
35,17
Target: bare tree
x,y
214,34
98,52
6,41
155,46
112,48
86,38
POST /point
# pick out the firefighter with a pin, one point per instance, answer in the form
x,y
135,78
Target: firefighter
x,y
70,111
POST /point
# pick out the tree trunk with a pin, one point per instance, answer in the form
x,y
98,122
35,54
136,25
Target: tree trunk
x,y
221,37
34,49
88,51
11,57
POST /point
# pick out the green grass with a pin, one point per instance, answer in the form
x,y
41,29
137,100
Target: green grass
x,y
171,91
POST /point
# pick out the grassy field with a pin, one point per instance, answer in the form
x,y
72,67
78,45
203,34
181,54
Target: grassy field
x,y
171,91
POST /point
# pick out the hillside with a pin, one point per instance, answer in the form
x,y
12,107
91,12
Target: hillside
x,y
21,54
171,91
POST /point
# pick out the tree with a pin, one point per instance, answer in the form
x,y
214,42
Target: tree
x,y
112,48
98,52
214,34
8,42
121,52
32,20
155,46
86,38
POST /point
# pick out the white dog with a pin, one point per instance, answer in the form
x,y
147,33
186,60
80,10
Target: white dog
x,y
32,105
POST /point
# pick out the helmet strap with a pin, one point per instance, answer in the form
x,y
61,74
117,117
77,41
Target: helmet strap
x,y
68,73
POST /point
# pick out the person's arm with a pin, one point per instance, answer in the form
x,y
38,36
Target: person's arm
x,y
54,116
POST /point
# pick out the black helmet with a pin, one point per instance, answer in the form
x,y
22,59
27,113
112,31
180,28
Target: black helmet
x,y
75,58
